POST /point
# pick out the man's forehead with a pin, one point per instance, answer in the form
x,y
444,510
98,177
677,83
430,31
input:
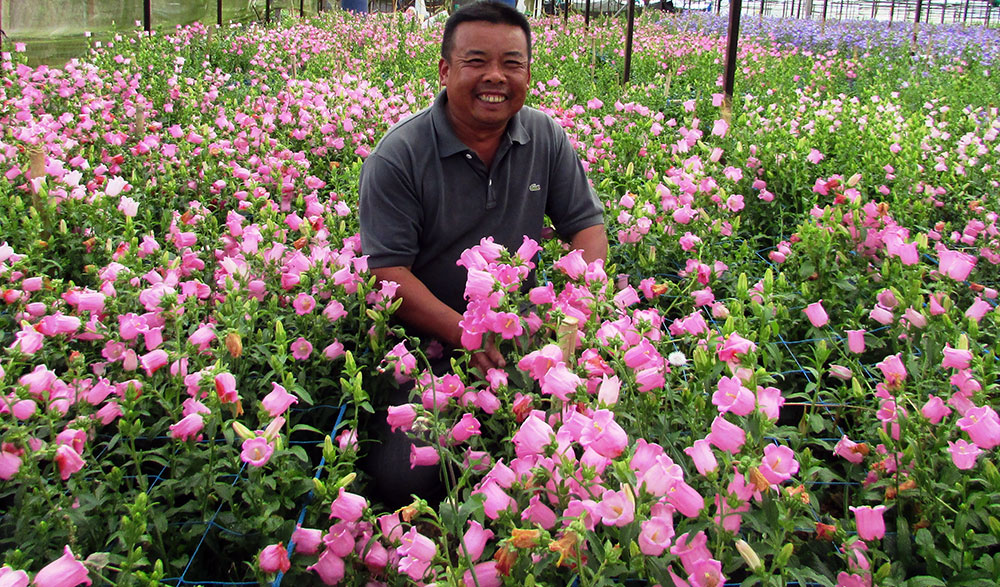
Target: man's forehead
x,y
470,34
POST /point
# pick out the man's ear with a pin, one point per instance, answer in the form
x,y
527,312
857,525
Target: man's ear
x,y
443,68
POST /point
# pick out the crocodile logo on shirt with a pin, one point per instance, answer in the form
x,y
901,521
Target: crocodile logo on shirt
x,y
534,188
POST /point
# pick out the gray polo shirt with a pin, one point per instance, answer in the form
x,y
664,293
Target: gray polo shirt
x,y
425,197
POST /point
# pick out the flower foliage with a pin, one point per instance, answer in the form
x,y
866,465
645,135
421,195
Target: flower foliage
x,y
785,371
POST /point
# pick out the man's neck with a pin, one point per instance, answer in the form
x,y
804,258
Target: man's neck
x,y
484,142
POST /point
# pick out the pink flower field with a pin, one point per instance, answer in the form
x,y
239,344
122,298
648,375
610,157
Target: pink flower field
x,y
785,374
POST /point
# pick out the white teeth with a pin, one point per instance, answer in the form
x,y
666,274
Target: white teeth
x,y
492,98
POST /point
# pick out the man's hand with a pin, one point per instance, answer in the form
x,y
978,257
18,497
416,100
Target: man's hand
x,y
488,358
424,311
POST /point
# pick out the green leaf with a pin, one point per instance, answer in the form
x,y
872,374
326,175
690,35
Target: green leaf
x,y
924,581
924,539
300,452
301,392
817,423
307,428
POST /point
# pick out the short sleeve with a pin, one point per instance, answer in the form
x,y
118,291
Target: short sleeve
x,y
573,205
389,212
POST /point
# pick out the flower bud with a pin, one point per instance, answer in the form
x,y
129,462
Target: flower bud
x,y
748,554
274,428
346,480
242,431
234,344
784,555
319,489
841,372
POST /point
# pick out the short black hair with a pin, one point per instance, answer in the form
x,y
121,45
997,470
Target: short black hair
x,y
483,11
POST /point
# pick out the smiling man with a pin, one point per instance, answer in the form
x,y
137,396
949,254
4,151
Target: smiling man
x,y
476,164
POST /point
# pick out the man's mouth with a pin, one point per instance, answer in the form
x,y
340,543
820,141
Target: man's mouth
x,y
492,98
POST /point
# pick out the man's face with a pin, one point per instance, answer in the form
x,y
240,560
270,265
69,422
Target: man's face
x,y
486,75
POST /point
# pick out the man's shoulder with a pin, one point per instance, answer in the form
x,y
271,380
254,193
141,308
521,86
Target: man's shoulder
x,y
534,120
405,133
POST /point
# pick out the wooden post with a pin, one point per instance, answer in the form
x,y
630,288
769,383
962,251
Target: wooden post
x,y
147,15
218,11
586,15
36,170
267,11
732,45
566,337
302,8
628,42
566,11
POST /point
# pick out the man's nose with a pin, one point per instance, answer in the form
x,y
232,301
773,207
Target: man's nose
x,y
494,71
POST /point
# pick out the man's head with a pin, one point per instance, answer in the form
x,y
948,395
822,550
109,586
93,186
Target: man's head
x,y
491,12
485,67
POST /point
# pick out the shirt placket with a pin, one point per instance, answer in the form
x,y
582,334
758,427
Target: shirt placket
x,y
491,192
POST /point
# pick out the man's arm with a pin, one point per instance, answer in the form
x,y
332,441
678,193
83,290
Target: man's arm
x,y
593,240
422,310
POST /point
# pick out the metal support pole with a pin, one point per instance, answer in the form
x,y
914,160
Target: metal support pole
x,y
302,8
892,10
147,15
586,14
565,11
823,26
732,45
267,11
916,24
628,42
762,7
874,8
218,10
965,12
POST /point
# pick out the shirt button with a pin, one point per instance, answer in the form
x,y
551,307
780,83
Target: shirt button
x,y
468,155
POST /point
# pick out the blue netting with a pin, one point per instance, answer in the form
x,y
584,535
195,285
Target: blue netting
x,y
211,524
309,497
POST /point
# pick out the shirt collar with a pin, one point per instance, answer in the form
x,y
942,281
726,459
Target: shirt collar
x,y
449,144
